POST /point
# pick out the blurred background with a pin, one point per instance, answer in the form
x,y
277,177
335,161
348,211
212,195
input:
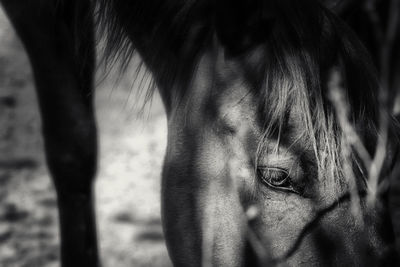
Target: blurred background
x,y
132,144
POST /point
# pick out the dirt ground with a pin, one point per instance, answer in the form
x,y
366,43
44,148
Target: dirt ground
x,y
132,146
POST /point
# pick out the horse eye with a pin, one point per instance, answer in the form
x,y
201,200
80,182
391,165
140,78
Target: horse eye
x,y
276,178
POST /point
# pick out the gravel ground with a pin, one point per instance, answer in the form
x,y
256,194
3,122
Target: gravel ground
x,y
132,146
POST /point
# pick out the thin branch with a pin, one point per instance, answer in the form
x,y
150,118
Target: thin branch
x,y
370,8
385,62
342,110
315,222
350,139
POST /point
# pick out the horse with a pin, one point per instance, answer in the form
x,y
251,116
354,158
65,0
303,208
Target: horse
x,y
280,148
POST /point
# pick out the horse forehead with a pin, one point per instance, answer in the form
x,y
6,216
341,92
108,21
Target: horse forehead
x,y
219,84
236,107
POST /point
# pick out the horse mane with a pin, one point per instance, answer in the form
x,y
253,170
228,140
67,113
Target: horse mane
x,y
162,25
302,49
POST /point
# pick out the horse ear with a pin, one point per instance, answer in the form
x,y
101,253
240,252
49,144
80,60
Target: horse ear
x,y
241,25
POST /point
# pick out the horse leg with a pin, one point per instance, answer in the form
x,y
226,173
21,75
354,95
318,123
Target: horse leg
x,y
59,39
